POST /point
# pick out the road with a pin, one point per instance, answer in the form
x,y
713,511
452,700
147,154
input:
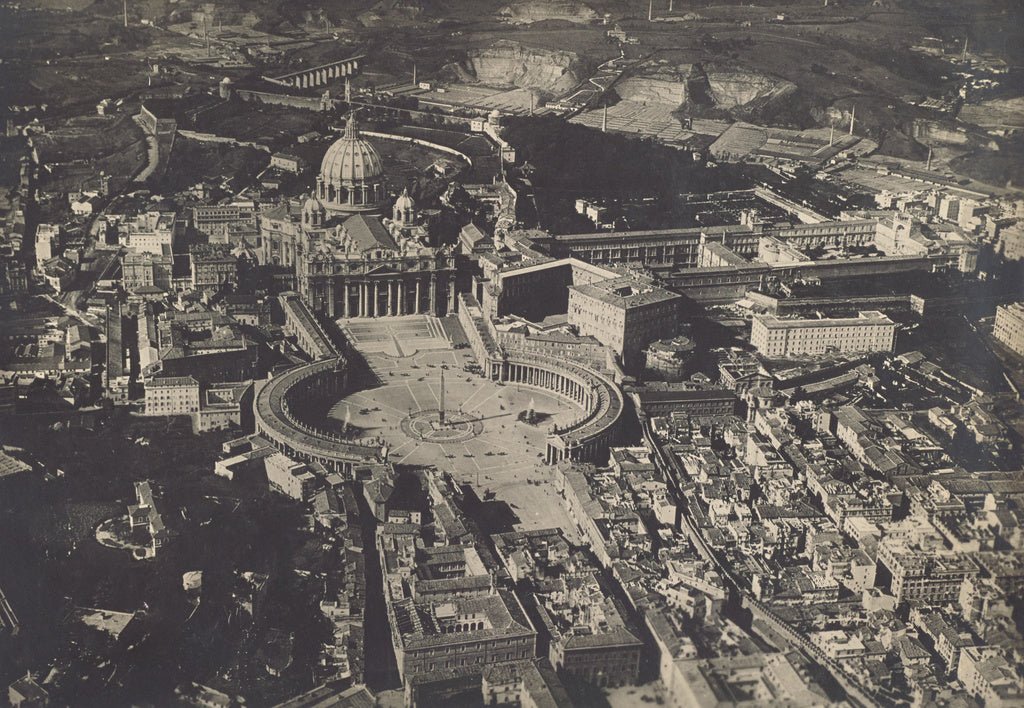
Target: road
x,y
856,693
152,155
602,79
83,317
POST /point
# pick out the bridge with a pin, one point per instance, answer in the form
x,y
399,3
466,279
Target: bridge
x,y
319,75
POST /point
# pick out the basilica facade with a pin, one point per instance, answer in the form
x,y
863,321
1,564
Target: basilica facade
x,y
347,260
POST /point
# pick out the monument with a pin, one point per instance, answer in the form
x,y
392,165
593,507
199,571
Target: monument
x,y
437,426
440,417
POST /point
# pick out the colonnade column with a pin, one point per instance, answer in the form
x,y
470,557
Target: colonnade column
x,y
346,296
416,307
391,297
376,300
433,294
401,297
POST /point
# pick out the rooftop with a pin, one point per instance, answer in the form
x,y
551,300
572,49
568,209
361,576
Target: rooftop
x,y
862,318
172,382
368,233
625,292
499,612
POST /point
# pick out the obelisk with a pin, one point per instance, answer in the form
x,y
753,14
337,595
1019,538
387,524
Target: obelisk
x,y
440,418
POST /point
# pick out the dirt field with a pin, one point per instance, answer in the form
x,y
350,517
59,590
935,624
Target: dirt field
x,y
640,118
506,100
262,123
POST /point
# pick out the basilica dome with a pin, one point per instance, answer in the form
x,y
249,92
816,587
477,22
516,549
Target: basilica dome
x,y
352,174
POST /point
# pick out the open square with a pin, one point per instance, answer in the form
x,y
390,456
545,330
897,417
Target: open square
x,y
395,336
500,455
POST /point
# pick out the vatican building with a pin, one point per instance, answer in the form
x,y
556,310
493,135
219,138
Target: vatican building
x,y
351,176
349,258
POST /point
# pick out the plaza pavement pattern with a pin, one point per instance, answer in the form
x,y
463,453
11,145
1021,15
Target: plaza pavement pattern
x,y
506,459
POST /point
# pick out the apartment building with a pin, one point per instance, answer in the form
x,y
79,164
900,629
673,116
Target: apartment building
x,y
1009,327
867,332
175,395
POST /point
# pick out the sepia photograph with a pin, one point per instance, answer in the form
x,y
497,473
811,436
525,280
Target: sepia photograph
x,y
511,353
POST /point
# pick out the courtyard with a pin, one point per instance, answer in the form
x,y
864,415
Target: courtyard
x,y
485,442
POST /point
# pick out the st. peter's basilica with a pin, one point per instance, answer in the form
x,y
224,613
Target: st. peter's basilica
x,y
349,261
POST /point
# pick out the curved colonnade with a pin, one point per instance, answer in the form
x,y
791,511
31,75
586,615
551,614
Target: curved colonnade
x,y
589,436
323,380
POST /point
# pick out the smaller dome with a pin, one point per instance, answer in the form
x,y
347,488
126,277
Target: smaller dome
x,y
313,212
404,201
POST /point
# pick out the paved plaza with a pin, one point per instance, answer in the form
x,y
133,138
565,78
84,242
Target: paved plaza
x,y
395,336
499,454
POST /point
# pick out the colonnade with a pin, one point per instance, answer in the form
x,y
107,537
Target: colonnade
x,y
364,194
394,296
278,424
564,384
595,397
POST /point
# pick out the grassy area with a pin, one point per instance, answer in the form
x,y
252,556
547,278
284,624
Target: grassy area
x,y
192,161
255,122
958,349
88,137
56,32
1002,167
575,158
79,149
217,527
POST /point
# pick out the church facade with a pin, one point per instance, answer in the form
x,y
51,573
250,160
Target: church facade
x,y
347,260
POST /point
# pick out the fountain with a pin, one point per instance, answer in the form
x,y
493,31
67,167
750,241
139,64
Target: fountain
x,y
530,416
